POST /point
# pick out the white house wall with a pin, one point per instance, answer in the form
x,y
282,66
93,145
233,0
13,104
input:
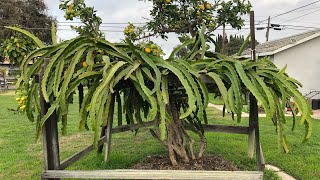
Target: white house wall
x,y
303,63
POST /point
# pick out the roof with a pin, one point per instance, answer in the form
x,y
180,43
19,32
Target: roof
x,y
275,46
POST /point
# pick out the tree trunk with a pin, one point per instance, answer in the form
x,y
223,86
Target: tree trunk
x,y
179,143
223,39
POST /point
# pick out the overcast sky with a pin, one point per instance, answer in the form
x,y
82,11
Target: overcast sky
x,y
123,11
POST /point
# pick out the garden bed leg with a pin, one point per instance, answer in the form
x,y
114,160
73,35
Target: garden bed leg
x,y
106,130
251,139
109,128
254,134
50,134
259,154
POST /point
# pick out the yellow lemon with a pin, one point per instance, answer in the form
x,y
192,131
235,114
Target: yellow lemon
x,y
147,50
131,30
23,98
70,7
84,64
18,99
23,107
201,7
168,1
208,6
18,45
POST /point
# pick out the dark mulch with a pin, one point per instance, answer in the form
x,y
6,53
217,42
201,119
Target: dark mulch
x,y
208,163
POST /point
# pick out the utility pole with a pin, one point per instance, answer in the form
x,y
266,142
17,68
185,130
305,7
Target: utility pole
x,y
268,28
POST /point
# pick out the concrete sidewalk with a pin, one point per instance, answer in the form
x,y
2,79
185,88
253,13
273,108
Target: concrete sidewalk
x,y
316,113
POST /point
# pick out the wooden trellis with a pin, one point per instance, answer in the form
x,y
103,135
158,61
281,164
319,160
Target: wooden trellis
x,y
54,168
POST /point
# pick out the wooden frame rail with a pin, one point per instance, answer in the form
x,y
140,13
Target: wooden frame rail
x,y
154,174
77,156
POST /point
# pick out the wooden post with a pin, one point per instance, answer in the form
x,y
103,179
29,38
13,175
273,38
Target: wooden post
x,y
253,116
50,133
106,131
251,137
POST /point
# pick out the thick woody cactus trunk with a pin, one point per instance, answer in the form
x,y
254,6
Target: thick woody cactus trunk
x,y
179,143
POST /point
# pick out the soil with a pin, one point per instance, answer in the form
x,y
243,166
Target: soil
x,y
208,163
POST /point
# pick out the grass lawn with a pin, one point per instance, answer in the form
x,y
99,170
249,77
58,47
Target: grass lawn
x,y
215,100
21,157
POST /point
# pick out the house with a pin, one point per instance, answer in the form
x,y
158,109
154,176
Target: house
x,y
301,54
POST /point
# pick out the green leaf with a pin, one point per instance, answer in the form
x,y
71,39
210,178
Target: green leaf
x,y
103,85
266,91
285,144
119,76
204,92
250,86
185,84
153,111
195,89
67,77
162,109
221,87
47,73
117,51
29,102
244,45
89,59
203,41
36,40
236,88
53,33
155,69
177,49
57,76
164,90
134,67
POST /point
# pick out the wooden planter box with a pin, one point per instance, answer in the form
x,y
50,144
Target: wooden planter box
x,y
54,169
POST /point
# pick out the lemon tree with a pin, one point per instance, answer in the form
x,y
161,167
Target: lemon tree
x,y
188,16
16,47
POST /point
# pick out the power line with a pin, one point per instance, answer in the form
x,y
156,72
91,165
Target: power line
x,y
281,14
317,7
295,9
290,11
120,27
108,23
63,29
300,16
